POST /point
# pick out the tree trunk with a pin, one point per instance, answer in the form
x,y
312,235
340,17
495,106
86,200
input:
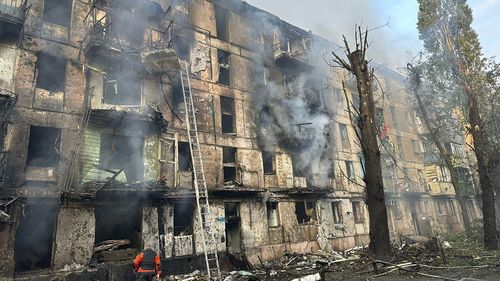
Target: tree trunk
x,y
375,199
443,151
487,186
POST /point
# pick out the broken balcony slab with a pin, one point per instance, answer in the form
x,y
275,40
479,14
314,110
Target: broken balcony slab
x,y
150,120
160,60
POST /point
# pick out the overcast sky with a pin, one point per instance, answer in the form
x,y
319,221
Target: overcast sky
x,y
394,44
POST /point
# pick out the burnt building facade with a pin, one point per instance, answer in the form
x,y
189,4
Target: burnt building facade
x,y
96,163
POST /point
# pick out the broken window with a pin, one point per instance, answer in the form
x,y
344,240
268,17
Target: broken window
x,y
298,170
185,163
305,211
177,97
182,46
272,214
229,163
57,12
119,152
357,210
362,166
119,222
44,146
349,167
231,210
122,85
268,161
51,73
183,218
227,115
221,17
34,238
223,58
337,212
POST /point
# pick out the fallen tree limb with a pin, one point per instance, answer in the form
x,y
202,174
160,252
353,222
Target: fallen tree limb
x,y
453,267
415,271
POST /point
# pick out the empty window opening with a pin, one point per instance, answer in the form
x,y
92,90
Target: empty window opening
x,y
269,163
227,115
231,211
183,218
362,166
122,85
272,214
123,152
57,12
223,59
297,166
221,17
119,222
233,231
44,146
177,97
337,212
185,162
349,170
357,210
305,211
229,163
34,238
182,47
51,73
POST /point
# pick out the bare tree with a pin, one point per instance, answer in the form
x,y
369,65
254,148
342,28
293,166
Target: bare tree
x,y
366,130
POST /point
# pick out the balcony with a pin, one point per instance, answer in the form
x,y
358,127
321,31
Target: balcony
x,y
294,54
143,30
441,188
12,16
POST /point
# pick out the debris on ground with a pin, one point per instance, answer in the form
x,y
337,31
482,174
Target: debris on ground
x,y
450,257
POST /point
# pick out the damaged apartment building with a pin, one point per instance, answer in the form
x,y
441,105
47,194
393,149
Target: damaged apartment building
x,y
96,159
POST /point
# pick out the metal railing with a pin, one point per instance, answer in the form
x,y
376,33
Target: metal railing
x,y
15,9
120,30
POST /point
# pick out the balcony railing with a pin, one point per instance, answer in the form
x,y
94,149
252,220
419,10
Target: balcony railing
x,y
123,31
293,53
13,10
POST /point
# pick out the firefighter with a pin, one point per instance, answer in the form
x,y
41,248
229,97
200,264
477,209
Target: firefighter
x,y
147,265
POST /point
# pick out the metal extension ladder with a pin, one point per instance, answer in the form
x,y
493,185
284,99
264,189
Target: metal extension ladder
x,y
200,185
